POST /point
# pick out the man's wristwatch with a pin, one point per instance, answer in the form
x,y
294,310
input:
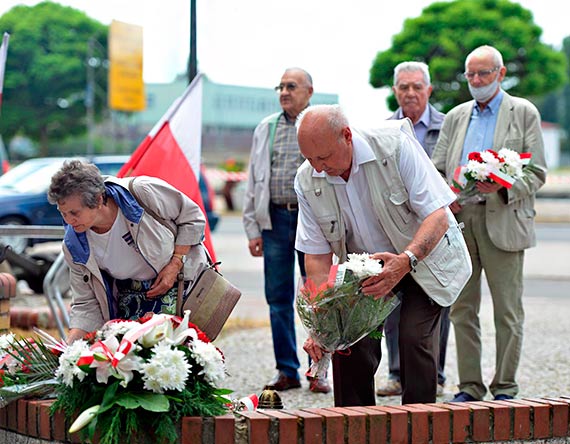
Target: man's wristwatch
x,y
413,259
182,257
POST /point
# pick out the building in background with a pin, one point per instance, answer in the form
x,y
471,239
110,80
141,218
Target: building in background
x,y
551,133
230,113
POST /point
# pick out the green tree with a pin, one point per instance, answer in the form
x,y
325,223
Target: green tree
x,y
446,32
565,118
555,106
45,80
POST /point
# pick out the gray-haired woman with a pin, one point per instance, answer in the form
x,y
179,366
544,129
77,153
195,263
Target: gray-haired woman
x,y
126,241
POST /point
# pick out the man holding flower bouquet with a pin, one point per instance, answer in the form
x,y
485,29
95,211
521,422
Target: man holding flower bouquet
x,y
377,191
499,219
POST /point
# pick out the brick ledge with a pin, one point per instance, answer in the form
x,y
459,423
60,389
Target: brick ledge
x,y
544,420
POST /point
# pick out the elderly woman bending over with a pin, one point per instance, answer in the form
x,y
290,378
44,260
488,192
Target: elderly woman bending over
x,y
126,241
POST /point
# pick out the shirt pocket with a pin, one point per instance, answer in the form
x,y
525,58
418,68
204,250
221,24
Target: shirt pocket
x,y
399,209
330,226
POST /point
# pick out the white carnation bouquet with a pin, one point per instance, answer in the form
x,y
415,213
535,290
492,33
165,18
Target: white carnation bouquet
x,y
336,314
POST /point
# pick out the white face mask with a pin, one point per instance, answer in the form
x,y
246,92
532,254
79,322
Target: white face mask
x,y
483,94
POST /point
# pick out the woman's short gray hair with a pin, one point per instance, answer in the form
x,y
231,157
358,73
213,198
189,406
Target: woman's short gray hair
x,y
77,178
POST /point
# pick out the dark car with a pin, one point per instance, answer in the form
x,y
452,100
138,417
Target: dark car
x,y
23,195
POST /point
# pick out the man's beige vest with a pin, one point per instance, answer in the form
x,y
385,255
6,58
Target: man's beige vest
x,y
445,271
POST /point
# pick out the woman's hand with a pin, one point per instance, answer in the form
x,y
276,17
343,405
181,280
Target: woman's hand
x,y
166,278
75,334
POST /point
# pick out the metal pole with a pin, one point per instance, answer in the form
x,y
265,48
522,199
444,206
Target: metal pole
x,y
90,97
192,59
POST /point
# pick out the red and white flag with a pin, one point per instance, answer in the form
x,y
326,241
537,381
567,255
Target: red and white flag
x,y
172,149
3,55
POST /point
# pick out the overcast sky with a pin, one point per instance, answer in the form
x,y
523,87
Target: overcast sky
x,y
251,42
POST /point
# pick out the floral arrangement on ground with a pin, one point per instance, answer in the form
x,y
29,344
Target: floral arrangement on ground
x,y
130,381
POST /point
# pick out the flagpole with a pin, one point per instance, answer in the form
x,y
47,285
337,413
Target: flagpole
x,y
3,57
192,59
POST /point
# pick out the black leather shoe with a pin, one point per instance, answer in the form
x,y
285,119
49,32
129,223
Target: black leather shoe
x,y
503,397
463,397
282,382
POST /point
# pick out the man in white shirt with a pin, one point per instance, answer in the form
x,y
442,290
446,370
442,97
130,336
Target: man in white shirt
x,y
377,192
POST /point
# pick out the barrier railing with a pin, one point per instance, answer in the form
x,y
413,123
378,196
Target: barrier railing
x,y
56,281
32,231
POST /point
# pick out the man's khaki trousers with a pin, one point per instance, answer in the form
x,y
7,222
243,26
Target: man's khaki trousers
x,y
504,272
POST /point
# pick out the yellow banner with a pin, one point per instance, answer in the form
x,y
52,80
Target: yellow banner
x,y
126,86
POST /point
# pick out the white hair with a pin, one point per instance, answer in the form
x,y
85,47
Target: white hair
x,y
336,118
412,67
484,50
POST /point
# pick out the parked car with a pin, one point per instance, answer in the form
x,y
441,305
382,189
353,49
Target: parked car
x,y
23,195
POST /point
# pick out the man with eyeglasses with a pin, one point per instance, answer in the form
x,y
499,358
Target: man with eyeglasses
x,y
412,88
499,227
270,221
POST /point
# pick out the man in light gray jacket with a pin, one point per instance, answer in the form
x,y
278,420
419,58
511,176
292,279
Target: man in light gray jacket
x,y
270,220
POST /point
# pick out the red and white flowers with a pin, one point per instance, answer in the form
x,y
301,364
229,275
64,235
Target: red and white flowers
x,y
503,167
149,372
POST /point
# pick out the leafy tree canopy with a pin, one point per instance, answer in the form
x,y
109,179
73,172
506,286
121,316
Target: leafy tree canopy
x,y
446,32
45,79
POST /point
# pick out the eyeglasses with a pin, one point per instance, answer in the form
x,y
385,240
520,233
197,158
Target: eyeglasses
x,y
484,73
288,86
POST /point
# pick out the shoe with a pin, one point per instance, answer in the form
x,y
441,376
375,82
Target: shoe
x,y
391,388
503,397
282,382
318,385
439,390
463,397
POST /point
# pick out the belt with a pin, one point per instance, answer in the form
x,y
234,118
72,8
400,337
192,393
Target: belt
x,y
287,206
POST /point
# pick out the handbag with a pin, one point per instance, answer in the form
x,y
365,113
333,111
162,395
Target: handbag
x,y
210,300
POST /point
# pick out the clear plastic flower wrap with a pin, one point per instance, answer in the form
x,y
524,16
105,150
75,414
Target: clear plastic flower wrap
x,y
336,314
27,368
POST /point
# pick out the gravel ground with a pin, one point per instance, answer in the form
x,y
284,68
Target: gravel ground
x,y
544,369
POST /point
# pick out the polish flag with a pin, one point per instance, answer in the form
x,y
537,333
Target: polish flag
x,y
171,151
3,55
